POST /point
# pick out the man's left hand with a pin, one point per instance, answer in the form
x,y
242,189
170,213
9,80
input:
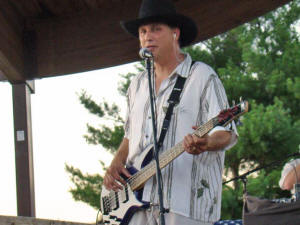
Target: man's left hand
x,y
216,141
194,144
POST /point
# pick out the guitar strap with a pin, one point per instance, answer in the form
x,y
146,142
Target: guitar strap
x,y
173,100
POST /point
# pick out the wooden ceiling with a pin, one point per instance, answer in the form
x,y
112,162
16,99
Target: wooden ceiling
x,y
44,38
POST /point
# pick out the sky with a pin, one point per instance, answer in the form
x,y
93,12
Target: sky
x,y
58,125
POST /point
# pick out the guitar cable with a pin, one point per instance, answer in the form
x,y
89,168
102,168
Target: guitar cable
x,y
97,217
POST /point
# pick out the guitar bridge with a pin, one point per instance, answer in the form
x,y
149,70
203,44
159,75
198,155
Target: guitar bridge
x,y
106,205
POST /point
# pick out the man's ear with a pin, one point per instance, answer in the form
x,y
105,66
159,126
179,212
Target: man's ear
x,y
176,33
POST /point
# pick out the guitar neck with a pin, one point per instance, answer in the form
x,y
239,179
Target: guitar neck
x,y
138,179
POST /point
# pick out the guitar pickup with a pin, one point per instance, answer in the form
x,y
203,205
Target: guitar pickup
x,y
106,205
126,193
124,196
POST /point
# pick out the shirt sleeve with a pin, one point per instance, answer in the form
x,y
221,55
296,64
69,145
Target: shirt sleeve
x,y
127,118
126,124
215,102
288,167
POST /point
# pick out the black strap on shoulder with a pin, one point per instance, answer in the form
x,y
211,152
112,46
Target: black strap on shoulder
x,y
173,100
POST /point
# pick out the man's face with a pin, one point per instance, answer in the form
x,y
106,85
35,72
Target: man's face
x,y
158,38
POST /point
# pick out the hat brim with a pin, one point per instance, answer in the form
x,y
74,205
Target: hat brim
x,y
188,28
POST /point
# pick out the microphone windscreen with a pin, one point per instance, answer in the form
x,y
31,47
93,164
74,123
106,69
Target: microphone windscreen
x,y
145,53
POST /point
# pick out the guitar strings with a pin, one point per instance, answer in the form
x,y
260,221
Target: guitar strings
x,y
164,156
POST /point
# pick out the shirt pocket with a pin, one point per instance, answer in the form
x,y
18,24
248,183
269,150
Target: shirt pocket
x,y
185,111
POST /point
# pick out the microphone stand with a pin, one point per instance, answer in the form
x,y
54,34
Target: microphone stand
x,y
149,66
243,177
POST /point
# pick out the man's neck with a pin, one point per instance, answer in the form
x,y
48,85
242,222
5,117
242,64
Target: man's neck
x,y
163,67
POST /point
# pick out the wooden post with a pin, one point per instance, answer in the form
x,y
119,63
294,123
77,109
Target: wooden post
x,y
23,148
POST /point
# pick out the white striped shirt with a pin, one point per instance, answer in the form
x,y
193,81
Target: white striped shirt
x,y
192,184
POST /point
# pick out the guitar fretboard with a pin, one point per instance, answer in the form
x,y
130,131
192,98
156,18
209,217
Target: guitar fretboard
x,y
138,179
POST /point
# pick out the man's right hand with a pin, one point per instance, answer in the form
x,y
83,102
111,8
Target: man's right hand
x,y
113,178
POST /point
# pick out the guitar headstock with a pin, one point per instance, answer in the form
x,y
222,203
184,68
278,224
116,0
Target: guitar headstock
x,y
227,115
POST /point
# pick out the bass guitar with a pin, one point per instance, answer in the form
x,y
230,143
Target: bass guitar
x,y
117,208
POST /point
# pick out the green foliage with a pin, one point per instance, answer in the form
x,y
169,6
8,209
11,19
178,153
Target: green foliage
x,y
87,187
266,131
259,61
231,203
102,109
265,185
262,184
108,136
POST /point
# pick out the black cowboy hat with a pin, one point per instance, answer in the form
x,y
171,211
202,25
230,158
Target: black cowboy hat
x,y
162,11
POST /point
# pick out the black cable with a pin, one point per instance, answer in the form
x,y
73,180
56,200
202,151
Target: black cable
x,y
97,217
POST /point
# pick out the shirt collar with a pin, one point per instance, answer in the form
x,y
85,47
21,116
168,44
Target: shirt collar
x,y
183,69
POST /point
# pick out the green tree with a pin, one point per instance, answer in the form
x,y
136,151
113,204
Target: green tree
x,y
88,186
260,61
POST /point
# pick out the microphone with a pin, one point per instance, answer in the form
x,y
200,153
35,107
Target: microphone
x,y
145,53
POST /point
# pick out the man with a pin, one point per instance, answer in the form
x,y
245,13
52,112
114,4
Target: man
x,y
290,175
192,183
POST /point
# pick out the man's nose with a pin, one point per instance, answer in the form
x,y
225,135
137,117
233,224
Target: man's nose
x,y
148,36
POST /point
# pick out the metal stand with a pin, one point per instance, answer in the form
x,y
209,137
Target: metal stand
x,y
297,191
243,177
244,180
149,66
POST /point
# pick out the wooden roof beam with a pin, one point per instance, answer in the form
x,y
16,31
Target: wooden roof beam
x,y
79,43
83,42
11,45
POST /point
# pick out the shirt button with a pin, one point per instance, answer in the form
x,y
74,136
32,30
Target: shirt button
x,y
149,117
146,136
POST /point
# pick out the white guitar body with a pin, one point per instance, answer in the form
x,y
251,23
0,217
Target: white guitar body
x,y
120,214
118,207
